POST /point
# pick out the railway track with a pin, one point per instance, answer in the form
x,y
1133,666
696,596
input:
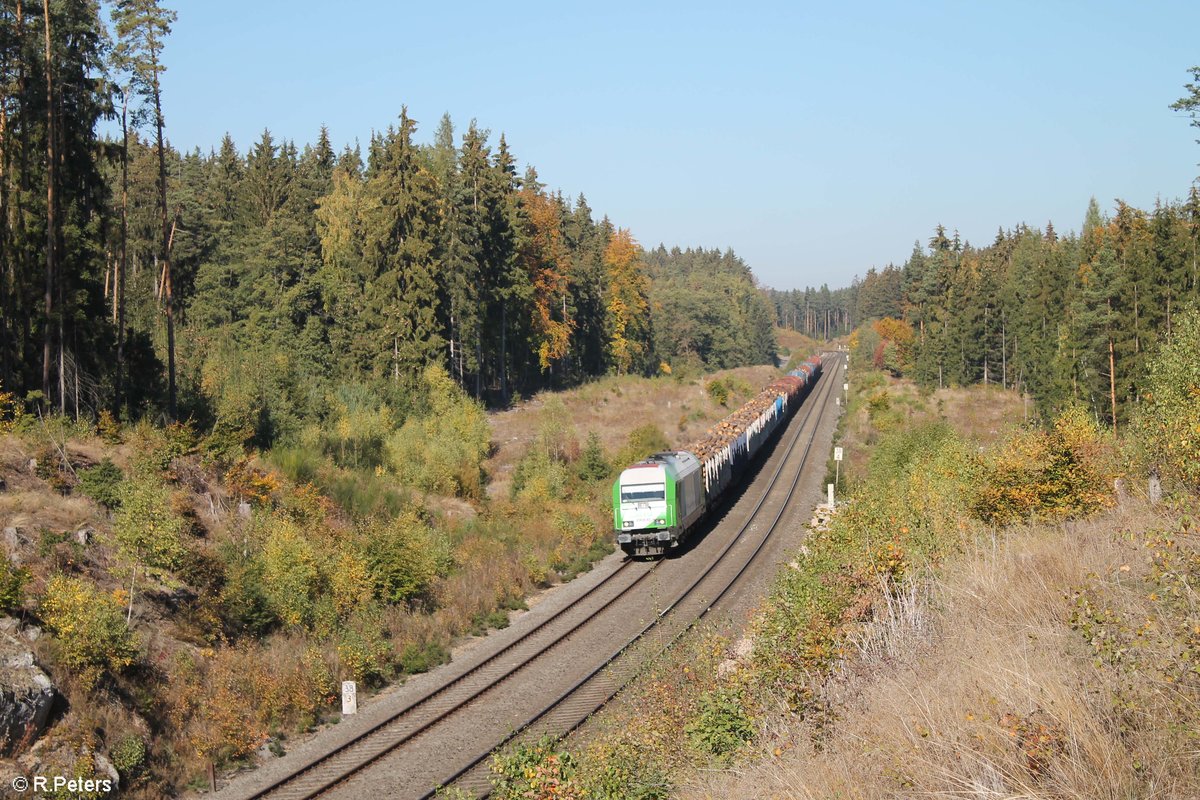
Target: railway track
x,y
390,735
574,707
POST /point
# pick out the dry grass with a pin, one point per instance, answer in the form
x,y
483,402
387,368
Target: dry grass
x,y
34,511
611,407
793,343
986,684
982,415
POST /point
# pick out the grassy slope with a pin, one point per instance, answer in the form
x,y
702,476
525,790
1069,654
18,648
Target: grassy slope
x,y
498,558
613,406
1041,660
912,650
1049,662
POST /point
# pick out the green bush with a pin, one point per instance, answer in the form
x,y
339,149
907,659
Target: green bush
x,y
443,451
128,755
539,477
643,441
356,429
363,493
102,483
147,530
245,607
363,649
722,725
417,658
481,623
12,585
300,464
1168,423
405,555
556,434
291,572
592,465
718,390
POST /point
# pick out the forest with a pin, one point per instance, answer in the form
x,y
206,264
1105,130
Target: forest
x,y
244,447
1067,319
240,290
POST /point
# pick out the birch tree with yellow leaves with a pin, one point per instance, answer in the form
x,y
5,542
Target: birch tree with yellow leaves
x,y
628,303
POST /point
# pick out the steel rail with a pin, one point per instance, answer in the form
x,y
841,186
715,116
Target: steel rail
x,y
567,694
389,721
292,779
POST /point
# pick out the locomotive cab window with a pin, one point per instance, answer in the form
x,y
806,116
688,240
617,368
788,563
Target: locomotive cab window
x,y
643,492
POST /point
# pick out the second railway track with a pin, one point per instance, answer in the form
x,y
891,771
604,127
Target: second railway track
x,y
381,748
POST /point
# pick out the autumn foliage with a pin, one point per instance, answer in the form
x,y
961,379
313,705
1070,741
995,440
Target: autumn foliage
x,y
628,290
1052,473
894,351
546,259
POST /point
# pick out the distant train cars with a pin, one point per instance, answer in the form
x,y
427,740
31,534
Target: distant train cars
x,y
657,502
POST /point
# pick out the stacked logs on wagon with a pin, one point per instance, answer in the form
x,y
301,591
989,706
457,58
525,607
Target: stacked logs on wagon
x,y
729,429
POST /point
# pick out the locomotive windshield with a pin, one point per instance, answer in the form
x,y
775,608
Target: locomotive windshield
x,y
643,492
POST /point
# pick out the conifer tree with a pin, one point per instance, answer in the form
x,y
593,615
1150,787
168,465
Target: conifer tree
x,y
400,227
142,27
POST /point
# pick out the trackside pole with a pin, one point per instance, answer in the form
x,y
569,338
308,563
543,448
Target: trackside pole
x,y
830,487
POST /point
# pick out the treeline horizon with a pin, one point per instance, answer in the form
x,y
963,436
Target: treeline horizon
x,y
1069,319
243,290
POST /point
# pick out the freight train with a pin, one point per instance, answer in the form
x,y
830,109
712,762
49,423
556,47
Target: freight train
x,y
660,500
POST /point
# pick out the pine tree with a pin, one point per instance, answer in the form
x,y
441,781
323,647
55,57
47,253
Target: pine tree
x,y
342,276
587,242
503,284
142,27
1190,102
460,180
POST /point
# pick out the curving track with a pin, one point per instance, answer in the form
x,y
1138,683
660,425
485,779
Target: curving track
x,y
384,758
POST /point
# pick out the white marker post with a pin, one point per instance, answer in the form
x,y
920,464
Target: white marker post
x,y
837,465
349,698
830,487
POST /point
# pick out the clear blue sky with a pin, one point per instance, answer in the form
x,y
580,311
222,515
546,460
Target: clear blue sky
x,y
816,140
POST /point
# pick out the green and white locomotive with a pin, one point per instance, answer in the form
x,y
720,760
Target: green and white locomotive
x,y
657,500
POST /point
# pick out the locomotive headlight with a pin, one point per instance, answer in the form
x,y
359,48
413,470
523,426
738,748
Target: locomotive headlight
x,y
628,523
660,521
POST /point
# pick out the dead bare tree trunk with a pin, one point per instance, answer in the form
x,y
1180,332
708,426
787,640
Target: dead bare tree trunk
x,y
1112,382
123,261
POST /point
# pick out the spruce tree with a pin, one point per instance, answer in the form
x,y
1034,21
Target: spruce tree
x,y
400,227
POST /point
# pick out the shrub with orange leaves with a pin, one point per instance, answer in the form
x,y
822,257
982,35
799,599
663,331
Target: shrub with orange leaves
x,y
224,703
894,350
251,484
